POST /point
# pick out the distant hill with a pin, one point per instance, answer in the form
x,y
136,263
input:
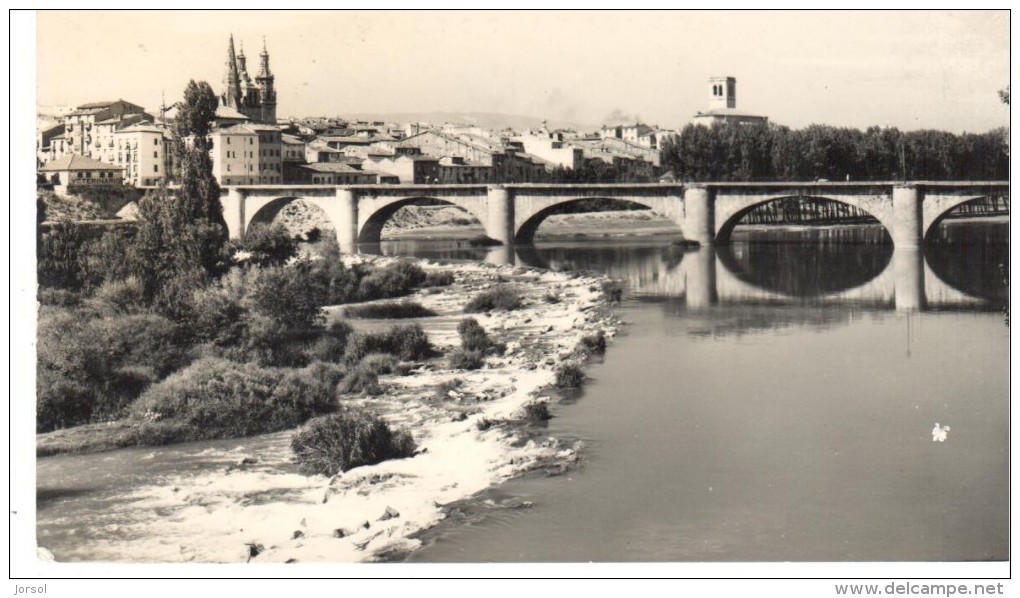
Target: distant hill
x,y
488,120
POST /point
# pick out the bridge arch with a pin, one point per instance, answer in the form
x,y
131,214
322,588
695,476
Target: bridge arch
x,y
937,209
532,216
374,213
730,213
263,210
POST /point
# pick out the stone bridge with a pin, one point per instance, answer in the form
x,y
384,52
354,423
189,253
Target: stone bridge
x,y
704,212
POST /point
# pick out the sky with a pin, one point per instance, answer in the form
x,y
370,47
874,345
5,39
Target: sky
x,y
910,69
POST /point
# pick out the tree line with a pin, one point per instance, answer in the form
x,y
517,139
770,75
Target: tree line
x,y
763,152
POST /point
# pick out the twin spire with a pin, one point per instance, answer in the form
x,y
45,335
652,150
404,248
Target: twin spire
x,y
256,99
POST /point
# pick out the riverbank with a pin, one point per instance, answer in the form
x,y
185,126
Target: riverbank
x,y
470,427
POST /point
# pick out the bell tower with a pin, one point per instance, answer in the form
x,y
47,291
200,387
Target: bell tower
x,y
265,81
722,93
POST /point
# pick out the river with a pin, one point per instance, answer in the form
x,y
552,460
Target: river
x,y
772,400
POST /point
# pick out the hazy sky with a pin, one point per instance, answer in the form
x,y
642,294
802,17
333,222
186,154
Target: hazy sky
x,y
923,69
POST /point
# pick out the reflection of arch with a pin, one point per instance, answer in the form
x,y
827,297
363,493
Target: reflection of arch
x,y
525,232
805,270
725,229
944,207
370,231
974,271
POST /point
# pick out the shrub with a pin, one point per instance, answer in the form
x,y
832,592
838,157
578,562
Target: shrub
x,y
360,380
118,297
215,398
330,345
537,411
391,310
551,298
438,278
593,343
347,439
466,360
444,388
613,291
91,368
569,376
395,280
408,342
379,363
269,245
287,295
501,298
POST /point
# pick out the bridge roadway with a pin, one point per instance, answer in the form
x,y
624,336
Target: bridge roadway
x,y
704,212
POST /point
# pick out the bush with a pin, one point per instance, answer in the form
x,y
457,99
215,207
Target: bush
x,y
537,411
118,297
90,369
390,310
613,291
593,343
444,388
466,360
269,245
407,342
379,363
330,346
360,380
438,278
551,298
501,297
569,376
483,241
347,439
395,280
215,398
288,296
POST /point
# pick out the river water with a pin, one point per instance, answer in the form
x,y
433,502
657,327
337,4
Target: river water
x,y
772,400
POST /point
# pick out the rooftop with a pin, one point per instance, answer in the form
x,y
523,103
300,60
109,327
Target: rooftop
x,y
76,162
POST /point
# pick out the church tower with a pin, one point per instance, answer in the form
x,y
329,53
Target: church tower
x,y
265,81
231,81
722,93
256,100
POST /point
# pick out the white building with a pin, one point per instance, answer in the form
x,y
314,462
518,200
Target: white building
x,y
142,151
722,105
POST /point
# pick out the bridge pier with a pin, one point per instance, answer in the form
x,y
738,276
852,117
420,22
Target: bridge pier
x,y
500,206
233,212
699,215
345,218
906,225
908,277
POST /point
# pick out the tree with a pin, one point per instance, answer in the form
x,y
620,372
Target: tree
x,y
181,237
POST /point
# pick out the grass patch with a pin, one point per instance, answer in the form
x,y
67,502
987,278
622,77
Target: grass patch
x,y
389,310
438,278
347,439
537,412
406,342
594,344
361,380
466,360
498,298
569,376
444,388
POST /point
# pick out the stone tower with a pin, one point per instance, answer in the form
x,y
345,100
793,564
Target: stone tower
x,y
267,94
255,100
722,93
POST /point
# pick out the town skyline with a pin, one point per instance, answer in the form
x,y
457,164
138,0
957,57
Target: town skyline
x,y
911,70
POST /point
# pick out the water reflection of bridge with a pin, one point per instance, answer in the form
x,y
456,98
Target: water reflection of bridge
x,y
710,276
